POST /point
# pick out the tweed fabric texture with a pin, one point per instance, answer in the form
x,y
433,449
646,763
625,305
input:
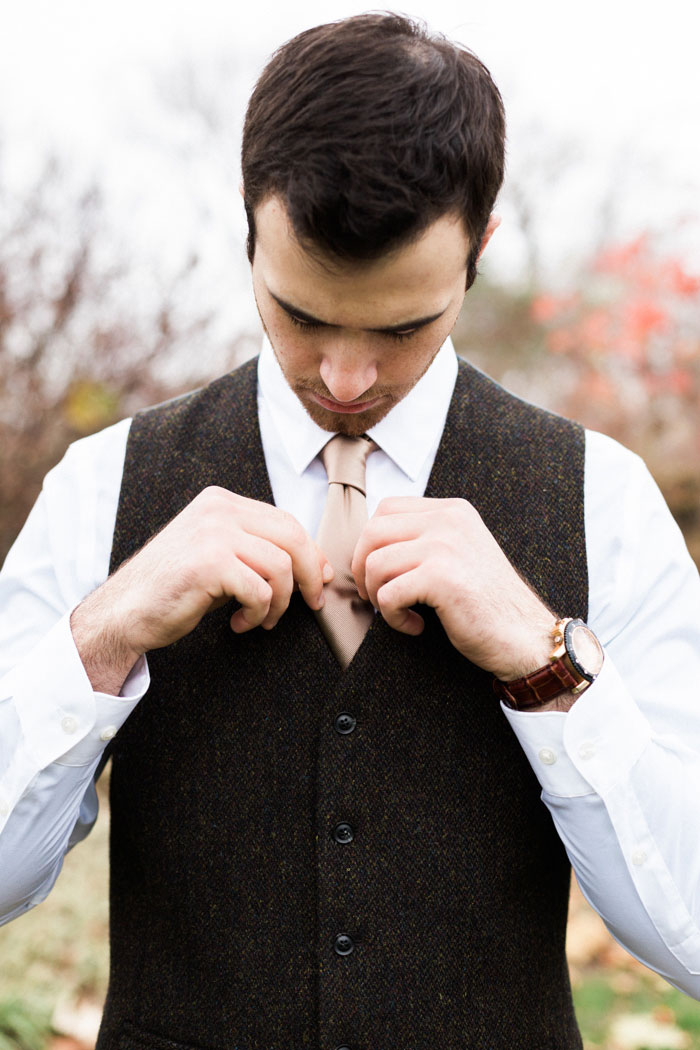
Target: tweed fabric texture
x,y
229,882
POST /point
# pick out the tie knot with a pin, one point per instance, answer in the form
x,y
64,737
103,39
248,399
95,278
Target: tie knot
x,y
344,459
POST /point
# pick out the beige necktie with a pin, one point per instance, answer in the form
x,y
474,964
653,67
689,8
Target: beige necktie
x,y
345,618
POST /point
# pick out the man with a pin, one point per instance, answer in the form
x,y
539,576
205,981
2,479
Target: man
x,y
328,832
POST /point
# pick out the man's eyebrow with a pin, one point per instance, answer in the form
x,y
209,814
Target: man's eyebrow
x,y
406,326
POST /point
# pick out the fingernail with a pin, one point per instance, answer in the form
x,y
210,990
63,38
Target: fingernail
x,y
328,572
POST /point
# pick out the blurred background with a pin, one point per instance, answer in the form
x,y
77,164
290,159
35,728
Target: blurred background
x,y
123,280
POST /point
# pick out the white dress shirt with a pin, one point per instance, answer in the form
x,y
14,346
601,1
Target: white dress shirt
x,y
620,772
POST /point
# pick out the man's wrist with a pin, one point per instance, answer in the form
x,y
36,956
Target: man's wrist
x,y
574,662
105,654
527,649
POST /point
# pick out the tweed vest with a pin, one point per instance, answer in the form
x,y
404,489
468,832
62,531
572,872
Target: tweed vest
x,y
305,857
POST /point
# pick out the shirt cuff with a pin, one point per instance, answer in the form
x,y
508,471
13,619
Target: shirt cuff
x,y
110,714
591,747
59,714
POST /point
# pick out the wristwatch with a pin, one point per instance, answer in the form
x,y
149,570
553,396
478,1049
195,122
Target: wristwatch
x,y
574,663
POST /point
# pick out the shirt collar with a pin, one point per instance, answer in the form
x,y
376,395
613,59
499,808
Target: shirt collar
x,y
408,433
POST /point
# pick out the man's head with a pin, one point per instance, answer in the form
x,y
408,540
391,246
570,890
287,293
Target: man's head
x,y
372,156
369,130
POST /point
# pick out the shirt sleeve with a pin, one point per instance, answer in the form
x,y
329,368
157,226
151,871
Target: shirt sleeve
x,y
620,771
53,727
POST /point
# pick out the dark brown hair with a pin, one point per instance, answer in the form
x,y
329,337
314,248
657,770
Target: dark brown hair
x,y
369,129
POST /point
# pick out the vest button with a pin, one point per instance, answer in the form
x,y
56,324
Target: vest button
x,y
343,1047
345,723
343,832
343,944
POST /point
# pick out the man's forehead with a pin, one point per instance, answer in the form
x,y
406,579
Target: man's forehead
x,y
410,283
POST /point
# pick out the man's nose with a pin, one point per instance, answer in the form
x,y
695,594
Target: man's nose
x,y
348,372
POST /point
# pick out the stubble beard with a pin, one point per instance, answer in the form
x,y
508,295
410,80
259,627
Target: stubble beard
x,y
349,424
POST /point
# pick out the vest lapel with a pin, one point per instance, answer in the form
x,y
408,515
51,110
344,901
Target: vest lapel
x,y
235,459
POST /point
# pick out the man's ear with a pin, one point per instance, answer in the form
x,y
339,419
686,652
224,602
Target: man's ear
x,y
491,227
241,190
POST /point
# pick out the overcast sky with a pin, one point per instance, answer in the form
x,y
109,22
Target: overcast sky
x,y
618,81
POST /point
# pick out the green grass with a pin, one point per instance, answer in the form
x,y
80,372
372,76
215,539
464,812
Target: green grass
x,y
598,1002
23,1026
594,1000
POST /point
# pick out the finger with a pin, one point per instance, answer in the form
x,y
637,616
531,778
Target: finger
x,y
411,623
328,570
395,598
308,560
274,565
253,593
386,563
311,569
380,533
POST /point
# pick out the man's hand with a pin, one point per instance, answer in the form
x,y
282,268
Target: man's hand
x,y
438,552
221,546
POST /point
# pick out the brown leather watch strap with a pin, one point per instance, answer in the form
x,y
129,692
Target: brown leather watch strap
x,y
536,689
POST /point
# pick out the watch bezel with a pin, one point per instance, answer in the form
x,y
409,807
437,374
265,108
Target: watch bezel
x,y
586,673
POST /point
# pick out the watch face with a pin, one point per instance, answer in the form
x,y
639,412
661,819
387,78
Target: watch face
x,y
583,649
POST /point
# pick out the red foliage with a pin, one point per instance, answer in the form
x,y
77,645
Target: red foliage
x,y
632,343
